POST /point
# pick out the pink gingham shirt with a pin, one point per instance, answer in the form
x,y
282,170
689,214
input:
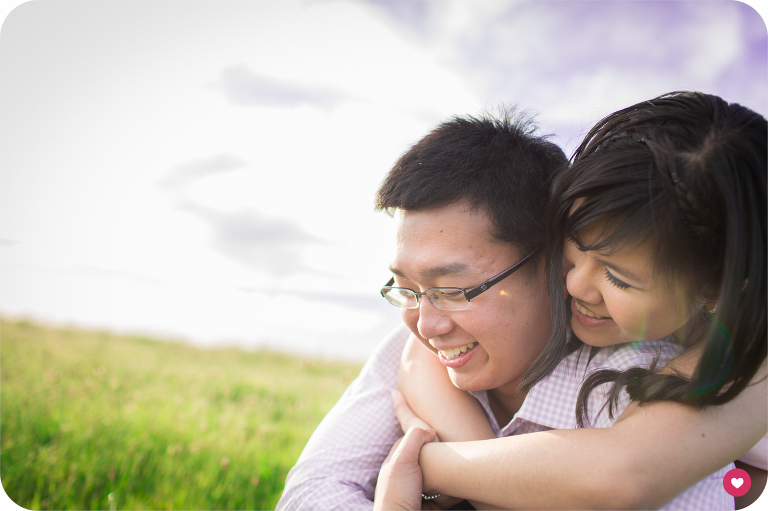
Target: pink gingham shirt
x,y
340,464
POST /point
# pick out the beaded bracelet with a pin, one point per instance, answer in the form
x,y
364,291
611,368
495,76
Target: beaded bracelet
x,y
430,497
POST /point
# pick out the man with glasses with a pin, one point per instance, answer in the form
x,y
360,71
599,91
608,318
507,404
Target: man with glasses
x,y
470,200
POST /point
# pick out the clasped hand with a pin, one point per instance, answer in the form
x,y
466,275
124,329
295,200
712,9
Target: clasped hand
x,y
399,486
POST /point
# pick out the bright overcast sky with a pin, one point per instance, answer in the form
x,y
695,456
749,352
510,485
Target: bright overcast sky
x,y
206,170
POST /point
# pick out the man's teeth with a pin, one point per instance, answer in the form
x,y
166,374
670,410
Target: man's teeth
x,y
587,312
455,352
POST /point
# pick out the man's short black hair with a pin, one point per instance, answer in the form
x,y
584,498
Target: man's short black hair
x,y
498,164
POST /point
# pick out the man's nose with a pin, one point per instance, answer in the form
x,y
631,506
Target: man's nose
x,y
432,321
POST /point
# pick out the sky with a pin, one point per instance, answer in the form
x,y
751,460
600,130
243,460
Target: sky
x,y
205,170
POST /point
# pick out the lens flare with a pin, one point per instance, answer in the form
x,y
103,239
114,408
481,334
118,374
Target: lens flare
x,y
643,328
720,369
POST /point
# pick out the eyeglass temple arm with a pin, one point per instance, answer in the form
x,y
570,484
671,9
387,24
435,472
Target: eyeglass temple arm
x,y
389,283
471,293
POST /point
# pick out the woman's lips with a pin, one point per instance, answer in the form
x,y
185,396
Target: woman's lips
x,y
585,316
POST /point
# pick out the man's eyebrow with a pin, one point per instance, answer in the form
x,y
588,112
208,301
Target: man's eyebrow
x,y
436,271
442,271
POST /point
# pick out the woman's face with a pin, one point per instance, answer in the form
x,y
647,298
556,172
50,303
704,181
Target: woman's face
x,y
617,296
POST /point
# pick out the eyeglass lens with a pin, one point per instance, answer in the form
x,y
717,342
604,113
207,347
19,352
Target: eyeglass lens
x,y
444,299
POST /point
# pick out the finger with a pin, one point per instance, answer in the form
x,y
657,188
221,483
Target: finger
x,y
404,414
410,446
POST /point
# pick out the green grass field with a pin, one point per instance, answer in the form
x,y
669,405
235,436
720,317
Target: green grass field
x,y
94,420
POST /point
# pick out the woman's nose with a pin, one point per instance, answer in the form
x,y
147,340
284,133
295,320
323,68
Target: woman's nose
x,y
580,282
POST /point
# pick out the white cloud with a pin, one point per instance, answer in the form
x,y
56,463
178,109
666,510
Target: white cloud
x,y
186,173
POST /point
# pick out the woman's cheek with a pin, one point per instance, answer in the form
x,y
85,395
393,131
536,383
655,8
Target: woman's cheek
x,y
640,325
617,308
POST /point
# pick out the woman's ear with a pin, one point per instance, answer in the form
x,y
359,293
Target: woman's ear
x,y
708,296
710,304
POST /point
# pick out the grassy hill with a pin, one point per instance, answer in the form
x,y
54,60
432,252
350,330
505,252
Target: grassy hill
x,y
94,420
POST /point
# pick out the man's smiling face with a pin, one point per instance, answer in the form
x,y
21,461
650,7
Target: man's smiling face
x,y
504,329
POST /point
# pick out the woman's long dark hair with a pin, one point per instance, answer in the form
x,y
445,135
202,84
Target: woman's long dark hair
x,y
686,171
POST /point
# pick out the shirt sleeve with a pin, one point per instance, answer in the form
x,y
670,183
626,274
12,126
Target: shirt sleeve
x,y
341,461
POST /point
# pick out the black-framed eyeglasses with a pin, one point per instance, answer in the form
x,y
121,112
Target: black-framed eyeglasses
x,y
445,298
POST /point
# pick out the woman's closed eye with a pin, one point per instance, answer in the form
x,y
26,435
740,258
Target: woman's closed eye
x,y
615,281
571,238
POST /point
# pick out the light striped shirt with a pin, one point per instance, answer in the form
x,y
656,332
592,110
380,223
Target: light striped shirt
x,y
340,464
